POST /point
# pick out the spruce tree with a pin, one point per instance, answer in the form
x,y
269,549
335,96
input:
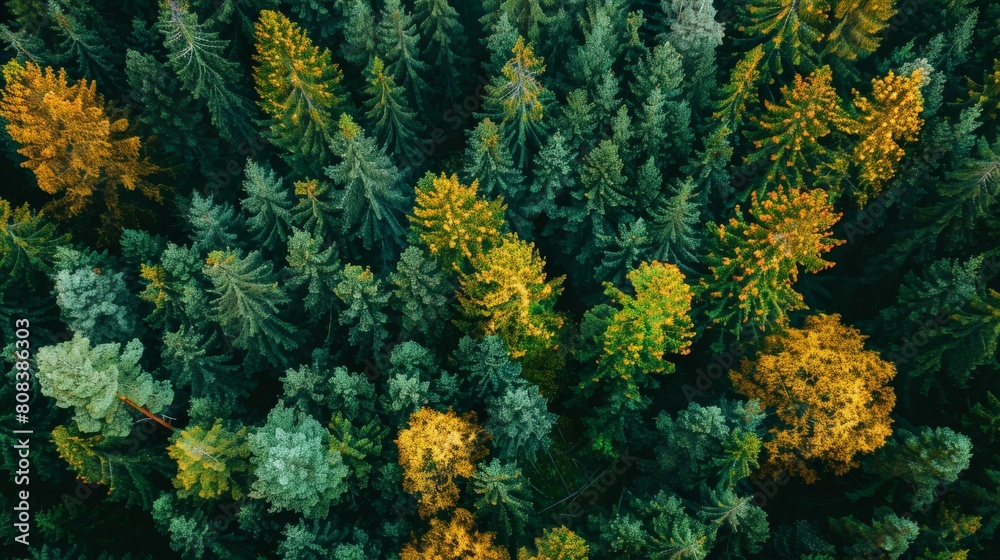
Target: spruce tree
x,y
314,267
489,162
197,57
445,36
298,85
364,301
421,294
392,121
28,243
316,211
102,383
247,305
268,203
368,199
399,42
208,460
503,498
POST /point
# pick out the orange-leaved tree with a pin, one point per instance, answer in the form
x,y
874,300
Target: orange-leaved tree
x,y
74,143
831,396
435,449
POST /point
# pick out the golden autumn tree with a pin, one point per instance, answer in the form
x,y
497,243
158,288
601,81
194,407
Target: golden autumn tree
x,y
788,134
508,294
74,143
297,83
455,539
791,29
756,263
453,223
434,450
653,322
741,90
890,118
832,396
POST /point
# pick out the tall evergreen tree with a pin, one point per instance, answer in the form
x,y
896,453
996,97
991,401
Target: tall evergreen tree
x,y
197,56
399,42
440,26
393,122
503,498
369,199
247,306
488,160
268,203
298,85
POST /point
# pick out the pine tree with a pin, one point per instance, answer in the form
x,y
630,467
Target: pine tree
x,y
741,90
453,223
207,461
197,56
28,243
365,301
517,99
755,264
435,449
360,45
888,535
502,37
268,204
316,210
100,383
962,335
890,118
439,24
247,306
741,524
520,423
923,460
74,144
791,30
174,118
399,42
298,85
622,252
213,226
552,174
660,529
557,544
830,394
421,294
488,160
486,367
457,538
664,128
368,200
393,122
197,361
503,498
696,31
97,304
83,47
675,226
294,467
788,135
315,268
857,33
96,460
723,443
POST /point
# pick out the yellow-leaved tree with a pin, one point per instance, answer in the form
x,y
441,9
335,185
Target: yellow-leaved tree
x,y
453,223
74,143
456,539
887,120
434,450
831,396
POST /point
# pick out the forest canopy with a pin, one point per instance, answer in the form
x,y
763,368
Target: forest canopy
x,y
501,279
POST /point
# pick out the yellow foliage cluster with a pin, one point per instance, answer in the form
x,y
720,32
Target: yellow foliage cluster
x,y
206,461
507,294
831,395
890,118
522,89
456,539
434,450
453,223
72,142
655,321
